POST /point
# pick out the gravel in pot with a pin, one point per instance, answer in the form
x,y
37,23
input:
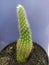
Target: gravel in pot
x,y
38,56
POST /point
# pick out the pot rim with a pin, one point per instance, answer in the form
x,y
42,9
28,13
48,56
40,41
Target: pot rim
x,y
33,44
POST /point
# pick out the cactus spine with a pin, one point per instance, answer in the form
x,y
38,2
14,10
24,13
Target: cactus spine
x,y
24,44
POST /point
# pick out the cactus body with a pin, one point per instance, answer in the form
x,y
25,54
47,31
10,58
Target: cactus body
x,y
24,44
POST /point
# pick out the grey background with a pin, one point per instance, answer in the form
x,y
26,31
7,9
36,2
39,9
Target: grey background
x,y
38,16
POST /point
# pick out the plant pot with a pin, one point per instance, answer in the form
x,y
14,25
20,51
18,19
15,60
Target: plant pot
x,y
38,56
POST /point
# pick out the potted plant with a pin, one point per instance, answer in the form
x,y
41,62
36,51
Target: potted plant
x,y
23,51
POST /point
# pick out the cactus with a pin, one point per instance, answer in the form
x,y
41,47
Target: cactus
x,y
24,43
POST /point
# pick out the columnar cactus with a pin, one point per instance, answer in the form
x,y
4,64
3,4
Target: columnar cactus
x,y
24,43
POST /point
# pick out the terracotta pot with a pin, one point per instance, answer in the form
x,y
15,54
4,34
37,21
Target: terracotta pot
x,y
38,56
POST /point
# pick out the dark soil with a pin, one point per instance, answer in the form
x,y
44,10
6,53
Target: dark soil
x,y
37,57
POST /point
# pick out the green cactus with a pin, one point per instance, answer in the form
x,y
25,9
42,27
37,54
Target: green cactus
x,y
24,44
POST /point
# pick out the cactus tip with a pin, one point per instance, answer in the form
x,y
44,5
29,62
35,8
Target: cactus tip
x,y
19,6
